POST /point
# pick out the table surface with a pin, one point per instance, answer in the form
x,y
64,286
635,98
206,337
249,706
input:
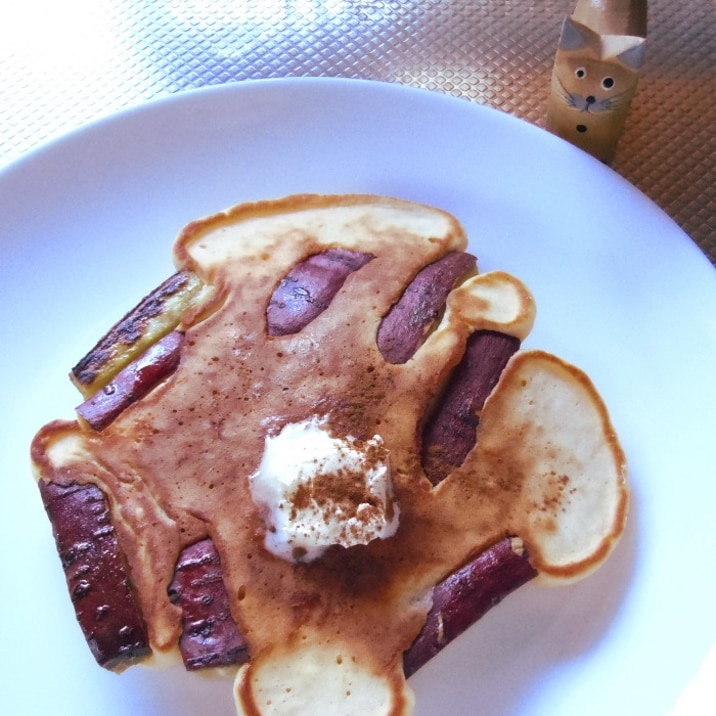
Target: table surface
x,y
65,64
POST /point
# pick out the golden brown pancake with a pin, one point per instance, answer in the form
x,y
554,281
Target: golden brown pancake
x,y
176,465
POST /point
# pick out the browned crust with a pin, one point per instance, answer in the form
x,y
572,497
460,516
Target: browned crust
x,y
578,569
39,453
620,516
292,203
394,678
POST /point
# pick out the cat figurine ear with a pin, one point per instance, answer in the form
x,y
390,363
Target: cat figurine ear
x,y
627,49
593,81
634,56
575,36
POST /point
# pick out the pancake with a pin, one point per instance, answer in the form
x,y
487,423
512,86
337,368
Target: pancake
x,y
323,551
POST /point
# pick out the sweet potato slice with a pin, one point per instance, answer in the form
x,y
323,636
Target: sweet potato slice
x,y
96,575
308,288
154,316
466,596
405,327
450,430
210,636
133,382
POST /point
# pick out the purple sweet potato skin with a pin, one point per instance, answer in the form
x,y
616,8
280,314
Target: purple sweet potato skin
x,y
308,289
449,432
405,327
130,328
96,575
466,596
133,382
210,636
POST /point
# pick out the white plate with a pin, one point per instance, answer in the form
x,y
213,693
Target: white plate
x,y
87,227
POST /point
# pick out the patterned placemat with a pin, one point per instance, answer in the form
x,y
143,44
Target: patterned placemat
x,y
64,64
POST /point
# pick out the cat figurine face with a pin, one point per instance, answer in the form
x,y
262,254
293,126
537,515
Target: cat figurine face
x,y
593,81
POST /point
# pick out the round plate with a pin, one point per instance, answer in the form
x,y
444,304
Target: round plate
x,y
88,225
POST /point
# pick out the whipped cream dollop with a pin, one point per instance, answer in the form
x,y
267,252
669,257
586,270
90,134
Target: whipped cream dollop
x,y
315,490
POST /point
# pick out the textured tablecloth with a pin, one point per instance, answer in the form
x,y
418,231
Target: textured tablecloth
x,y
63,64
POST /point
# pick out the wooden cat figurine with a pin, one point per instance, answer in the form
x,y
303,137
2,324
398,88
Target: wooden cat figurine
x,y
595,74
